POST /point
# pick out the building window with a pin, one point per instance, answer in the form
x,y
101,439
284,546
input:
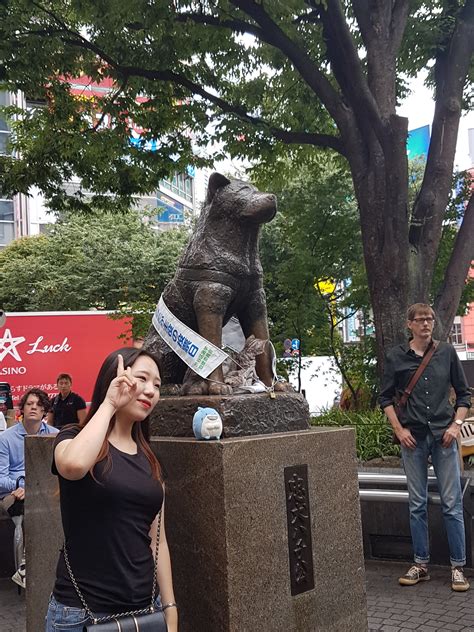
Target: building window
x,y
180,184
6,233
6,210
6,222
455,337
3,142
4,131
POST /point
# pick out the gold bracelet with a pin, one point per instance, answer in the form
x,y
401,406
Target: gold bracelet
x,y
169,605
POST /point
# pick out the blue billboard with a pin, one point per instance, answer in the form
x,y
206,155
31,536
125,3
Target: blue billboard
x,y
147,145
169,210
418,142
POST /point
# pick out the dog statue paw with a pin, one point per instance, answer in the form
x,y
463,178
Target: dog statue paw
x,y
220,389
283,387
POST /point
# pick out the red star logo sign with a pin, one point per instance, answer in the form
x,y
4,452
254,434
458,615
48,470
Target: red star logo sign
x,y
8,345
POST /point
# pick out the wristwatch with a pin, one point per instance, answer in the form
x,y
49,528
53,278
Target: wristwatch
x,y
459,422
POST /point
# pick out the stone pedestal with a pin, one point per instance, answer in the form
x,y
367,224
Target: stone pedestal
x,y
236,513
230,540
241,414
43,529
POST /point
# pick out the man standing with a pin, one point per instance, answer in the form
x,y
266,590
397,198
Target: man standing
x,y
33,405
68,407
429,426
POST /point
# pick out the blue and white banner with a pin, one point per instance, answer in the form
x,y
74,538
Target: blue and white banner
x,y
197,352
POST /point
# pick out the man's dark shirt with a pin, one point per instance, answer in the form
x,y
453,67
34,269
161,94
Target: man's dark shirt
x,y
65,410
428,405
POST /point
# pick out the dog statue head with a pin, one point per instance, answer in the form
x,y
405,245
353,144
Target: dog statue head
x,y
239,200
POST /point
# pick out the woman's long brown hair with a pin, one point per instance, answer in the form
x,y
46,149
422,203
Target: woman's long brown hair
x,y
140,429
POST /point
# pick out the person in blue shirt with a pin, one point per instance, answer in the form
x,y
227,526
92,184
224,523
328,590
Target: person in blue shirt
x,y
34,405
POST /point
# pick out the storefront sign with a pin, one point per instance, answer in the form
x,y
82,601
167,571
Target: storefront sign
x,y
169,210
36,346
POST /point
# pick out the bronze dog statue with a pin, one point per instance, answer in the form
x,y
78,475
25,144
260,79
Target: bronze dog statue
x,y
220,275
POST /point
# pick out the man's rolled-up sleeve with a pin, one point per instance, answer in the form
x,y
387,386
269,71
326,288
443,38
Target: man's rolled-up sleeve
x,y
7,484
459,382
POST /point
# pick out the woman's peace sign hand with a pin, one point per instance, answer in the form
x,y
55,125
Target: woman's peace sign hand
x,y
122,388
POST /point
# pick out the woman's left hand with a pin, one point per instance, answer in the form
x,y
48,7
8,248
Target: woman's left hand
x,y
122,388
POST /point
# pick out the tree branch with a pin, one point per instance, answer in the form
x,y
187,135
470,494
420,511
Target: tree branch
x,y
382,25
238,26
110,99
76,39
347,68
308,138
306,67
400,13
333,346
451,70
456,272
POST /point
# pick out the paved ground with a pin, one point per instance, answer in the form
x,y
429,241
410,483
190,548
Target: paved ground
x,y
427,607
12,608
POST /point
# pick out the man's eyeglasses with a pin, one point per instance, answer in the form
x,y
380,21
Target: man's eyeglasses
x,y
420,321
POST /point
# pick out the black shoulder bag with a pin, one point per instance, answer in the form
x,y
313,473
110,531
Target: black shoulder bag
x,y
145,620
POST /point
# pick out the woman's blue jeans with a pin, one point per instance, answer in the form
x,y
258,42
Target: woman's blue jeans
x,y
60,617
446,466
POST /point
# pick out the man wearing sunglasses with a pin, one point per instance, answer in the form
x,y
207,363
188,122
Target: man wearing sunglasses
x,y
429,427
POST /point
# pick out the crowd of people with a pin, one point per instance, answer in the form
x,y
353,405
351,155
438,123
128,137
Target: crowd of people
x,y
115,559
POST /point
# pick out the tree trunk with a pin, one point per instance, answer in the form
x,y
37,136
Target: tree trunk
x,y
382,194
388,287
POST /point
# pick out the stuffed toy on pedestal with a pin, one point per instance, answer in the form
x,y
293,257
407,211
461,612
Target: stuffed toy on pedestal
x,y
207,424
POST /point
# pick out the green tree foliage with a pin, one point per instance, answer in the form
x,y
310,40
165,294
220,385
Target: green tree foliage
x,y
100,260
263,79
315,237
374,437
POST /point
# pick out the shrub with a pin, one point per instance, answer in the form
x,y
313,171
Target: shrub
x,y
373,431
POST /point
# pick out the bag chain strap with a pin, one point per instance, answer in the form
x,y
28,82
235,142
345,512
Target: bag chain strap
x,y
149,609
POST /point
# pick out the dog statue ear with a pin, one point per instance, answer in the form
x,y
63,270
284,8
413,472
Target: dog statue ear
x,y
216,181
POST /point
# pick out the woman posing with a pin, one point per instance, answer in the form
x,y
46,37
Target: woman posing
x,y
111,491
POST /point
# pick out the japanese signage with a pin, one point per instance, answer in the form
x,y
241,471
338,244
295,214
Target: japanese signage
x,y
300,546
36,347
170,210
197,352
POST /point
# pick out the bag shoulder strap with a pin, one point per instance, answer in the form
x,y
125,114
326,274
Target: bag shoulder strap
x,y
416,376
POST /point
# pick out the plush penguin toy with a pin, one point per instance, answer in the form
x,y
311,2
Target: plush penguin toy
x,y
207,424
